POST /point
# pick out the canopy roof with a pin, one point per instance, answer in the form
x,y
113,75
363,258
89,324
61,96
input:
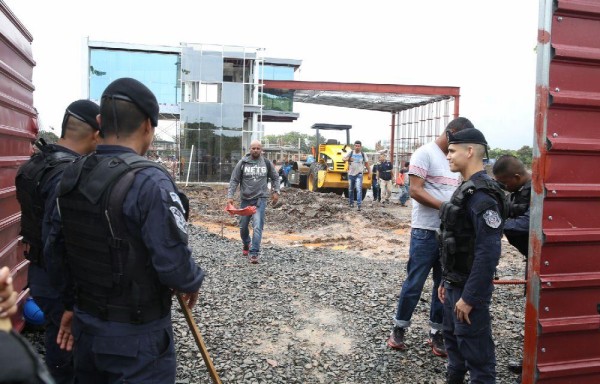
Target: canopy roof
x,y
375,97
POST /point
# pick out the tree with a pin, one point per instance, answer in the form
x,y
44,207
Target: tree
x,y
293,138
525,154
48,136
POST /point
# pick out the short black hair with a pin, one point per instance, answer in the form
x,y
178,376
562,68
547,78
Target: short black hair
x,y
459,124
407,163
358,142
508,165
124,119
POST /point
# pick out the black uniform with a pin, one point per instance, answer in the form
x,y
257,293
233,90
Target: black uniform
x,y
516,227
471,232
125,233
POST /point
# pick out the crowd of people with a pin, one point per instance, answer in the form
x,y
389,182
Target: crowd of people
x,y
108,242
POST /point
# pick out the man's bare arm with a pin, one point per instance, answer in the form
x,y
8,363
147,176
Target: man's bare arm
x,y
417,192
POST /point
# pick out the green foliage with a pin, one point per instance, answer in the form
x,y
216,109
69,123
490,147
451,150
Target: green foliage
x,y
525,154
48,136
292,138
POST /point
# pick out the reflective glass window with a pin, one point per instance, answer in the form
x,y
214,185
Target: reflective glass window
x,y
158,71
277,72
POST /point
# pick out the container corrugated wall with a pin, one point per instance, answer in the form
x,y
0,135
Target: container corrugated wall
x,y
562,334
17,130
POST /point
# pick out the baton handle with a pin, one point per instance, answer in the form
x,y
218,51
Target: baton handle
x,y
187,312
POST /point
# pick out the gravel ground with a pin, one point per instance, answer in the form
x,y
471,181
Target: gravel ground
x,y
318,314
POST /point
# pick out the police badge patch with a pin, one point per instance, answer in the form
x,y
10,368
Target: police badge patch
x,y
176,199
492,218
179,219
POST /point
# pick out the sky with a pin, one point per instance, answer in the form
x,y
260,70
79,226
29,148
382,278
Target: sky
x,y
487,48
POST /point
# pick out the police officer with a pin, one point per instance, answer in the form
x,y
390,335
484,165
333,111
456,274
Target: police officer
x,y
511,175
126,245
471,230
36,183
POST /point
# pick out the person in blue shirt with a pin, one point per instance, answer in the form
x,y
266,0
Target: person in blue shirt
x,y
120,229
36,183
471,233
375,184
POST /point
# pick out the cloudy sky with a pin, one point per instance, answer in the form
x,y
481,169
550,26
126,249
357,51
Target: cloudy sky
x,y
487,48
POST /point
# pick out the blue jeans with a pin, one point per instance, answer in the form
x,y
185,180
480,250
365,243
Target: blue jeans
x,y
258,222
404,195
470,346
355,184
423,256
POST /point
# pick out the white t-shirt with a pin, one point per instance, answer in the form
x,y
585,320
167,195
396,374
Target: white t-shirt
x,y
430,164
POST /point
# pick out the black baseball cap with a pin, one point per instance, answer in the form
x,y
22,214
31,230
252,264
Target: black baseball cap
x,y
135,92
467,136
82,110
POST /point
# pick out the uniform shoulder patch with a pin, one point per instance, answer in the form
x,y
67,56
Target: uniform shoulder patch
x,y
176,199
179,219
492,218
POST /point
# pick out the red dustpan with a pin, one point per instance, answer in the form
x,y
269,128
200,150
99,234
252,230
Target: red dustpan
x,y
248,211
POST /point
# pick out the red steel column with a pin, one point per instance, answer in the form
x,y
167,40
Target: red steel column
x,y
456,105
392,140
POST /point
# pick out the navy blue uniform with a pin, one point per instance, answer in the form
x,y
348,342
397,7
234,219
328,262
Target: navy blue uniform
x,y
117,352
470,347
59,362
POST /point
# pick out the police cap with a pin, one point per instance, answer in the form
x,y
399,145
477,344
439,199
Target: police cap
x,y
83,110
467,136
135,92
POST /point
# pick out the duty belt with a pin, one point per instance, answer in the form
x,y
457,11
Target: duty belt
x,y
120,314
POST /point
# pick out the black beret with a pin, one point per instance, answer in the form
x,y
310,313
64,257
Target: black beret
x,y
83,110
131,90
467,136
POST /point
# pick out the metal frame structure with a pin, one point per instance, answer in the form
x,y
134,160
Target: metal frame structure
x,y
416,110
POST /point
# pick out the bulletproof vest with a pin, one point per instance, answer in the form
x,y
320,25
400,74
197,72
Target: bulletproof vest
x,y
457,240
519,201
113,274
48,162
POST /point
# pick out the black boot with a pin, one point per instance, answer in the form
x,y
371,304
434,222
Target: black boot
x,y
455,379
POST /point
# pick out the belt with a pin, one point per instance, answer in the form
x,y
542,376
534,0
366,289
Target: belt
x,y
455,284
120,314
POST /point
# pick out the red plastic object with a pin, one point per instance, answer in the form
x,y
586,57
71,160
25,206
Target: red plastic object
x,y
248,211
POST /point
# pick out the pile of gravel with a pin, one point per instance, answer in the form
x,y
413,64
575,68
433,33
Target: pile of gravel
x,y
319,316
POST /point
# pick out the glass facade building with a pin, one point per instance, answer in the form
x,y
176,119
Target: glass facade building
x,y
210,92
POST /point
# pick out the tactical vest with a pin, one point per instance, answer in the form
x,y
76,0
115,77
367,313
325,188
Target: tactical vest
x,y
31,177
457,240
518,204
112,271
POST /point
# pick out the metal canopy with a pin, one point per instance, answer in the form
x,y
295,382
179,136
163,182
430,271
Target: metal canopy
x,y
375,97
384,102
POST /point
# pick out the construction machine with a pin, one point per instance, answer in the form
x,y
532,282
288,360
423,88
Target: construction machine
x,y
329,171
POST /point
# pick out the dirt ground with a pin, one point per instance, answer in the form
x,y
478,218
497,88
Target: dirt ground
x,y
308,219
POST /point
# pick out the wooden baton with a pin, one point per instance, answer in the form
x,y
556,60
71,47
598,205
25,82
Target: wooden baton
x,y
187,312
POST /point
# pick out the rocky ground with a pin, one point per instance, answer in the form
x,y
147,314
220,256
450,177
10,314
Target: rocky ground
x,y
319,306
